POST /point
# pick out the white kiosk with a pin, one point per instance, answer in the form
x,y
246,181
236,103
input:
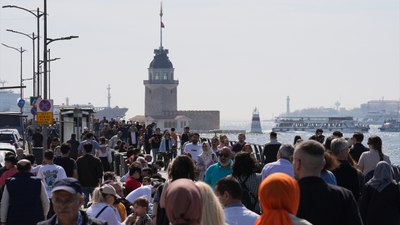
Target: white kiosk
x,y
73,120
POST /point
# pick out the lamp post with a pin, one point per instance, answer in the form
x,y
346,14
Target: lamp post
x,y
20,50
33,37
45,70
50,60
38,14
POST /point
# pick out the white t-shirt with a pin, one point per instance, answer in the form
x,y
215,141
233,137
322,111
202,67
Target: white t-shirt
x,y
106,153
369,159
110,214
236,215
49,174
194,149
35,169
142,191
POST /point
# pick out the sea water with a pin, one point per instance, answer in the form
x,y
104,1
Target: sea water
x,y
391,140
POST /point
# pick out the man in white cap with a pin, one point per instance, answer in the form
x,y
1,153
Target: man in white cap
x,y
67,200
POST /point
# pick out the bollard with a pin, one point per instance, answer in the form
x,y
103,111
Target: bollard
x,y
123,167
113,161
117,163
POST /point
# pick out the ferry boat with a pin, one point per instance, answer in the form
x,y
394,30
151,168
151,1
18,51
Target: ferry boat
x,y
390,126
310,124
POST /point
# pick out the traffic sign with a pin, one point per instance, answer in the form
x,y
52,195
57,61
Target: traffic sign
x,y
33,110
21,102
33,100
45,105
44,118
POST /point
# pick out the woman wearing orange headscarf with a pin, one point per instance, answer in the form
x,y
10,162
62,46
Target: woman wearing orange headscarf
x,y
279,196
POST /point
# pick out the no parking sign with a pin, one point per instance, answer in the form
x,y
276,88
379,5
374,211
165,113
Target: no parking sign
x,y
44,109
44,105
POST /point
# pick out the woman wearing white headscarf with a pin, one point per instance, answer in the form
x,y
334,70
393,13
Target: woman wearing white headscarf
x,y
205,159
380,201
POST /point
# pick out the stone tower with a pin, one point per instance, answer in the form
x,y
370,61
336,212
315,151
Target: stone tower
x,y
161,87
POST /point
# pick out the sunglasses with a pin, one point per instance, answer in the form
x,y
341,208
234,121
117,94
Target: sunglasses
x,y
224,155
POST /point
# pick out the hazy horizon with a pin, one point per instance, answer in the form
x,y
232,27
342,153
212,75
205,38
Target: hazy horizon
x,y
230,56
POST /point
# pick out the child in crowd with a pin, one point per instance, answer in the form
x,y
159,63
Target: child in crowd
x,y
146,181
139,212
57,151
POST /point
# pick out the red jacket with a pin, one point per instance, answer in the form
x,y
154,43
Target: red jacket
x,y
131,184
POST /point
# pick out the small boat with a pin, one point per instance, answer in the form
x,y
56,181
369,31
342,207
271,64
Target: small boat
x,y
310,124
390,126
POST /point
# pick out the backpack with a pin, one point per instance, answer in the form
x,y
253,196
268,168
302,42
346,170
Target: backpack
x,y
162,218
248,199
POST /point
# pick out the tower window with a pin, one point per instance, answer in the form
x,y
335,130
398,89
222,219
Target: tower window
x,y
165,76
157,77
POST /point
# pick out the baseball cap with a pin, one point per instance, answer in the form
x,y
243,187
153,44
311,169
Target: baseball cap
x,y
69,184
109,190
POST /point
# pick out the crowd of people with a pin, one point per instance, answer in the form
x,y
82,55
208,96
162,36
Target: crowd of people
x,y
182,179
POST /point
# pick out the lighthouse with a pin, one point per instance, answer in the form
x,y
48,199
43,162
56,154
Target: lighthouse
x,y
255,122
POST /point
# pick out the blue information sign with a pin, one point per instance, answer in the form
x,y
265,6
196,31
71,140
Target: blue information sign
x,y
21,103
33,110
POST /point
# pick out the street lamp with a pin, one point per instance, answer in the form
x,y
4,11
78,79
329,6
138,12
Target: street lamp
x,y
38,14
33,37
47,42
60,39
20,50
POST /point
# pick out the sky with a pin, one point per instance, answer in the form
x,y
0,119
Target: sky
x,y
228,55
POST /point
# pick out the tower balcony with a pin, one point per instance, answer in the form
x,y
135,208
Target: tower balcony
x,y
176,82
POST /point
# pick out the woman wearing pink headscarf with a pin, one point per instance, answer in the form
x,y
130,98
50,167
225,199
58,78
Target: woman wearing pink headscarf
x,y
183,203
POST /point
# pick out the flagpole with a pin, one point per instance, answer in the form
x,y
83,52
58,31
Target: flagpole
x,y
161,14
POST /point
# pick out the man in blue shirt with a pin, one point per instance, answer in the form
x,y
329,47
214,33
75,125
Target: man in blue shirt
x,y
89,138
229,193
283,164
220,169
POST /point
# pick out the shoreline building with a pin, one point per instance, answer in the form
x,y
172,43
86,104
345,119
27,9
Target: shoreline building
x,y
161,105
8,101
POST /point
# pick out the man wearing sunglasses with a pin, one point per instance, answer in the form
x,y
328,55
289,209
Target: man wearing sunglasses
x,y
220,169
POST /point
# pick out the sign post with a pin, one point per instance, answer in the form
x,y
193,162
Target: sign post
x,y
44,118
44,111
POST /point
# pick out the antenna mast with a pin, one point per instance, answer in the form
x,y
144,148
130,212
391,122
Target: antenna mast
x,y
161,25
109,96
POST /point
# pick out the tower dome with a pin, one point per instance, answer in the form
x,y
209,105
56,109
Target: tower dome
x,y
161,60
